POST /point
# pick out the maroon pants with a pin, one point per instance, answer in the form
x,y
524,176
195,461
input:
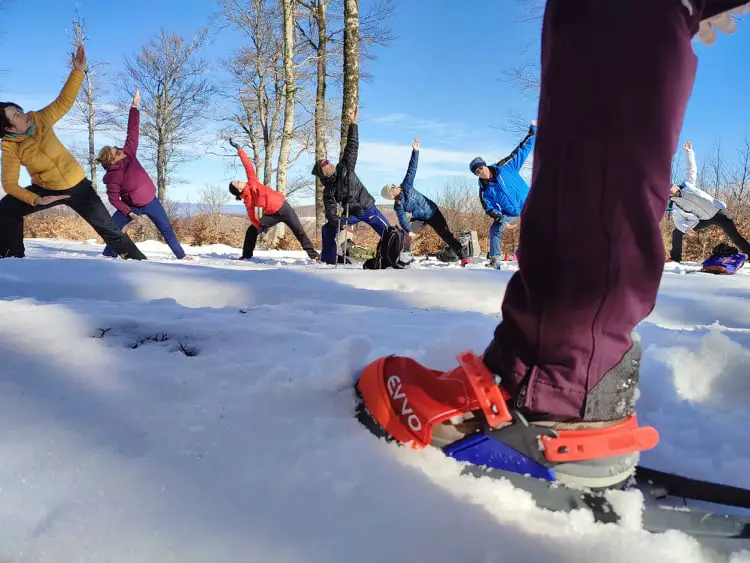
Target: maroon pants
x,y
616,78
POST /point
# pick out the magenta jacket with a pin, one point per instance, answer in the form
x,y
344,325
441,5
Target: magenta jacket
x,y
128,183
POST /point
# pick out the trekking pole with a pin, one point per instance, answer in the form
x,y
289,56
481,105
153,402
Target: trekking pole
x,y
346,236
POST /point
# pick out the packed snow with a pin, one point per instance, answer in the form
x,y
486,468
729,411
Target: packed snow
x,y
202,412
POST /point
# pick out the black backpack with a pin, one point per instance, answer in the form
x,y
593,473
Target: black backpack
x,y
722,250
388,251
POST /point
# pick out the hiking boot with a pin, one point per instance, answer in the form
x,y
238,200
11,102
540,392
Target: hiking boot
x,y
494,262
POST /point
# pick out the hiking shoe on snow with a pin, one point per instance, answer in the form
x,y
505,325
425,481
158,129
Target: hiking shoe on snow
x,y
494,262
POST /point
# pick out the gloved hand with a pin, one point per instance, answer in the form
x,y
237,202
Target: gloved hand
x,y
495,215
723,22
235,145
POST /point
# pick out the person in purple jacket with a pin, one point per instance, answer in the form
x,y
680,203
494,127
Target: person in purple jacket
x,y
130,189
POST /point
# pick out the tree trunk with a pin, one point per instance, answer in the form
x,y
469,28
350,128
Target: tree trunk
x,y
321,143
161,167
289,92
273,128
91,123
351,66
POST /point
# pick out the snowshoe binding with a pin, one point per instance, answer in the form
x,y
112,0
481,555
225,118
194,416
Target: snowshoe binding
x,y
465,413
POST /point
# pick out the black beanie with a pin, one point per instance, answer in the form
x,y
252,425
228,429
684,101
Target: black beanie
x,y
234,191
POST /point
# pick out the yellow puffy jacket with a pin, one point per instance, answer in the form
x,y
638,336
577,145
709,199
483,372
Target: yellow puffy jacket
x,y
47,161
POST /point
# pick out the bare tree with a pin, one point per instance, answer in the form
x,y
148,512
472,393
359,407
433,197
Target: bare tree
x,y
525,75
170,73
741,177
317,19
322,31
716,168
259,84
213,198
258,71
351,67
88,110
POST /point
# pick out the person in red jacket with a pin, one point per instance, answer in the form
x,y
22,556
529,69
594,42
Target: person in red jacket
x,y
130,189
274,205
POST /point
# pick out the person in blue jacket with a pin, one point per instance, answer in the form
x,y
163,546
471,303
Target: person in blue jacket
x,y
502,191
423,210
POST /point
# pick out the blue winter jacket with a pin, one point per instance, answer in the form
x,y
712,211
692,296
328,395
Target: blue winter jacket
x,y
506,192
410,200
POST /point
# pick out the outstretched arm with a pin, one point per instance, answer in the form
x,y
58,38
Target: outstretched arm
x,y
252,178
691,169
52,113
411,172
252,216
113,194
11,169
402,219
134,126
489,206
352,144
519,155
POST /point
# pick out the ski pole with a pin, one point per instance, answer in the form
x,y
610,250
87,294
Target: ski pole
x,y
346,238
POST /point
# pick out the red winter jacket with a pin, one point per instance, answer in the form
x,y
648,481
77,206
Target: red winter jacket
x,y
128,184
256,194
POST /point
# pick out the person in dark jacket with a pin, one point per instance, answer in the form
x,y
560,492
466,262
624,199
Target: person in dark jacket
x,y
502,191
275,208
341,185
130,189
408,200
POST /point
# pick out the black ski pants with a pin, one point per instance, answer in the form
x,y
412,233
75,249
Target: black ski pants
x,y
438,222
82,199
285,215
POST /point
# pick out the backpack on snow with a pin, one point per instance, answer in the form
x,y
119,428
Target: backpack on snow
x,y
388,251
469,241
724,259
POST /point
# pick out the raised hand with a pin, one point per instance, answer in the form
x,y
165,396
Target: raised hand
x,y
137,99
235,145
354,114
79,58
723,22
688,146
533,122
415,144
49,199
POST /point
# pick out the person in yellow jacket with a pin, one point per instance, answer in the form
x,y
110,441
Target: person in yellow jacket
x,y
29,139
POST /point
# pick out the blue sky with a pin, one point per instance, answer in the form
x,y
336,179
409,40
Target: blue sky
x,y
440,80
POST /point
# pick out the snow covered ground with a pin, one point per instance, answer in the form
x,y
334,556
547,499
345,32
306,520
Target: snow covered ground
x,y
202,412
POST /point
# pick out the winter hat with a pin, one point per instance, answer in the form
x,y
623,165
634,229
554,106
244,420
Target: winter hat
x,y
234,191
317,169
386,191
476,163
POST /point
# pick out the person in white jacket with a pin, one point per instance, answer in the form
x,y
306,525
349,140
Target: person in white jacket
x,y
695,210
